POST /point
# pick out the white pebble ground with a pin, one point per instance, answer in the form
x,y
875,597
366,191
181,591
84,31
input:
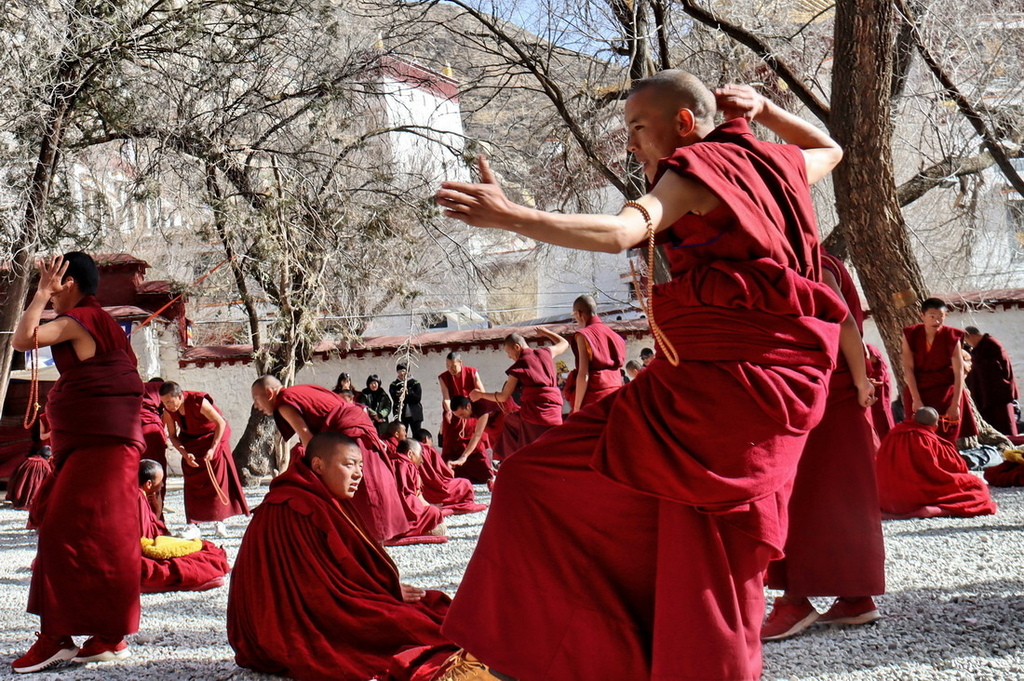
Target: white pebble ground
x,y
955,607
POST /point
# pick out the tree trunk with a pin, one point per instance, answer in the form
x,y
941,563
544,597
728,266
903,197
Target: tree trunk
x,y
254,454
865,186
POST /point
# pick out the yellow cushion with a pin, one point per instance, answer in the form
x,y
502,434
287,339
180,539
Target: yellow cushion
x,y
163,548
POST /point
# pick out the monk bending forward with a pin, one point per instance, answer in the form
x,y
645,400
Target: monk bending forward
x,y
641,528
314,597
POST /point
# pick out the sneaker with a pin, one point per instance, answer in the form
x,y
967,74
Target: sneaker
x,y
464,667
44,653
97,649
851,611
787,619
221,530
191,531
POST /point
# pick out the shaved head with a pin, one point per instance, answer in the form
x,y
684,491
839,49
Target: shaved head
x,y
680,90
585,304
267,381
515,339
327,445
170,388
926,416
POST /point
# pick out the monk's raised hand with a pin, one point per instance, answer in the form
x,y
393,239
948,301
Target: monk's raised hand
x,y
412,594
739,101
482,204
51,273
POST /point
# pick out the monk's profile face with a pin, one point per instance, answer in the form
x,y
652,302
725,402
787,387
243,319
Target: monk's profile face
x,y
933,318
655,130
463,412
968,361
400,432
580,316
263,400
513,350
454,366
155,485
341,471
172,402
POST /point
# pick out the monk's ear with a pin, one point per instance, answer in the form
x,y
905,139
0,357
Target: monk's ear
x,y
685,122
317,464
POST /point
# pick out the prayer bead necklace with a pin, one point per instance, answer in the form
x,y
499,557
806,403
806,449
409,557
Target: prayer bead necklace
x,y
647,301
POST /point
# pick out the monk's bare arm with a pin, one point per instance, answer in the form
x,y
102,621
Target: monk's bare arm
x,y
294,418
821,152
485,205
481,425
907,359
172,434
958,383
559,344
582,371
220,424
506,392
852,346
446,401
29,329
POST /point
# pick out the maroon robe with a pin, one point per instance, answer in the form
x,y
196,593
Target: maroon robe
x,y
881,410
655,570
992,385
933,371
314,597
153,432
377,501
540,403
28,477
422,516
922,475
454,495
465,383
1006,474
607,357
195,432
478,468
86,573
193,572
834,546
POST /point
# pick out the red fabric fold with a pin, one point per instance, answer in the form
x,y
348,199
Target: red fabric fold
x,y
313,597
881,410
457,432
993,385
28,477
540,400
441,487
607,357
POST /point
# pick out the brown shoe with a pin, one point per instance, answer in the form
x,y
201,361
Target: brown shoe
x,y
464,667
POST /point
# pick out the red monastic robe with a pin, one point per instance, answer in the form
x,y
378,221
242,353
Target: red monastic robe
x,y
478,468
933,370
153,431
377,501
992,385
86,573
195,432
641,528
835,546
314,597
25,481
881,410
193,572
1006,474
607,357
422,516
465,383
922,475
540,403
454,495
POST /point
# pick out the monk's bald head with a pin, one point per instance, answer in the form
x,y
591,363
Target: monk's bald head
x,y
675,90
264,394
267,381
585,305
514,345
926,416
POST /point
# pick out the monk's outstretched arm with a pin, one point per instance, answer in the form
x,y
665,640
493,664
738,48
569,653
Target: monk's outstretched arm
x,y
907,359
485,205
582,371
851,344
559,344
506,392
294,418
220,426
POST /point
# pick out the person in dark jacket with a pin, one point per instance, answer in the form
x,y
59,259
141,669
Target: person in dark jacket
x,y
378,404
407,397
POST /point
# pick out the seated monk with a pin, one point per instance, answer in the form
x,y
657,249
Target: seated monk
x,y
540,404
921,475
313,597
27,478
174,566
454,495
466,445
426,522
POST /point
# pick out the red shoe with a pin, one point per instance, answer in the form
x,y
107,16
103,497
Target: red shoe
x,y
44,653
787,618
98,649
851,611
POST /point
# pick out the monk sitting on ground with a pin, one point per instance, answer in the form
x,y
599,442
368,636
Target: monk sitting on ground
x,y
921,475
600,354
540,403
26,479
426,522
466,445
313,597
454,495
213,491
170,564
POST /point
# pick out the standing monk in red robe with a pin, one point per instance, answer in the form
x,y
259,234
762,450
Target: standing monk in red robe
x,y
308,410
991,381
458,380
881,409
198,430
933,370
922,475
600,355
314,597
641,528
834,546
167,567
453,495
540,403
85,579
154,434
466,445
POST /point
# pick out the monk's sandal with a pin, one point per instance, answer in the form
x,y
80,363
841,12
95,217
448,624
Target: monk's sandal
x,y
464,667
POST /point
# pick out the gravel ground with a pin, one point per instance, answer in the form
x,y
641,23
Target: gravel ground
x,y
955,608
